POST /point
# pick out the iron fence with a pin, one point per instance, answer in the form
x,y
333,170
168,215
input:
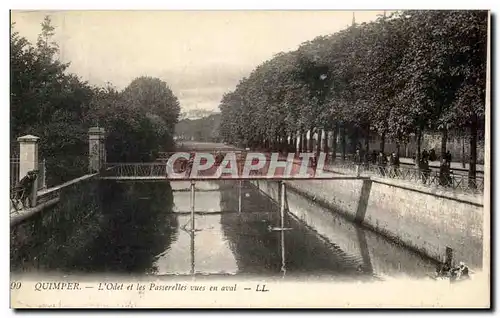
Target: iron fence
x,y
135,169
427,177
14,172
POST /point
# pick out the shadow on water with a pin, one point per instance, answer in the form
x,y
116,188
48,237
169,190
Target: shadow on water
x,y
137,224
260,247
101,227
374,253
145,228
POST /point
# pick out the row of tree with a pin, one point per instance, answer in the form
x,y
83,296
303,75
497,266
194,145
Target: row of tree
x,y
59,107
398,76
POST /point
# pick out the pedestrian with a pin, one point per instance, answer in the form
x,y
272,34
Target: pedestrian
x,y
357,161
374,157
460,272
425,155
444,173
423,167
314,161
432,155
448,157
391,165
367,159
21,192
190,163
219,158
357,157
394,163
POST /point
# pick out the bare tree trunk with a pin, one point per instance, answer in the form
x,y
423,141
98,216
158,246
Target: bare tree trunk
x,y
382,142
325,145
284,143
473,154
296,144
355,140
419,144
367,139
463,150
443,176
310,147
334,143
444,140
343,142
304,142
318,144
301,137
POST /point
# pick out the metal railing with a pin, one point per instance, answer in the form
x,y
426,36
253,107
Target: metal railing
x,y
154,169
182,170
427,177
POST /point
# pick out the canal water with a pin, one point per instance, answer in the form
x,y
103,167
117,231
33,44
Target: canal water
x,y
146,228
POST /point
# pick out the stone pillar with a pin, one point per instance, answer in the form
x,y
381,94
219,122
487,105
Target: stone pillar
x,y
28,160
97,150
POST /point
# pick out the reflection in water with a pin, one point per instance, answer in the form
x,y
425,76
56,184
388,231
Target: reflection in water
x,y
283,250
261,247
209,251
122,233
137,224
206,201
374,253
207,247
257,241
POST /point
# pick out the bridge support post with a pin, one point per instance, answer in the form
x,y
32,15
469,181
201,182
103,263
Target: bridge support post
x,y
282,212
192,227
97,150
282,204
28,161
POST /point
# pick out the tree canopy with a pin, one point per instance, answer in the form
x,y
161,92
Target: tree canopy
x,y
48,101
399,75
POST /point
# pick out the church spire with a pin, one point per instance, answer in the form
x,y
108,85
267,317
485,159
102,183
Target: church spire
x,y
353,18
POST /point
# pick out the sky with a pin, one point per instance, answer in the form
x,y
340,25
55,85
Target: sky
x,y
200,54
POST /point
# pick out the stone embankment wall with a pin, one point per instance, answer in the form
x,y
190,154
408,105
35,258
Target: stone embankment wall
x,y
423,219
